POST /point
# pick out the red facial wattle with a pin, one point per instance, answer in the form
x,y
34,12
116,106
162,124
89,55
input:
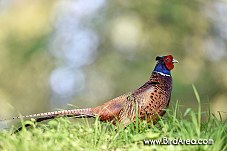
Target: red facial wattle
x,y
168,62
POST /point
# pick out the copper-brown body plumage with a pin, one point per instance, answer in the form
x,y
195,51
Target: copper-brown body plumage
x,y
151,99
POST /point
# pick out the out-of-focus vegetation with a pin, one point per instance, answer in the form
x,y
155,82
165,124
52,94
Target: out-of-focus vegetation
x,y
61,134
130,36
24,61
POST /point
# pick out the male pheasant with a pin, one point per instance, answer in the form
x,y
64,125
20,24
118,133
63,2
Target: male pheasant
x,y
147,102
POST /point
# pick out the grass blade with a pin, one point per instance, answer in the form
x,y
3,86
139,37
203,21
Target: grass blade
x,y
199,109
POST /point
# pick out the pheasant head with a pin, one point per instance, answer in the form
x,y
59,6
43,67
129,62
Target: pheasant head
x,y
165,64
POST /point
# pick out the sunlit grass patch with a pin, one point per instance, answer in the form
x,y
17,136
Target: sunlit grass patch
x,y
63,134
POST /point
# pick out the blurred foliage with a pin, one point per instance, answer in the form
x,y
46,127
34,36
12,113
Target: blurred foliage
x,y
25,64
131,34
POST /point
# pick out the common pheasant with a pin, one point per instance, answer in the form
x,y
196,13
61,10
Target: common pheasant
x,y
147,102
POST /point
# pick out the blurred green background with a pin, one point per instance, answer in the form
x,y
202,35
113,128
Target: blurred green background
x,y
81,52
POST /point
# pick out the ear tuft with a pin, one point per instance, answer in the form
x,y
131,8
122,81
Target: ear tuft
x,y
158,58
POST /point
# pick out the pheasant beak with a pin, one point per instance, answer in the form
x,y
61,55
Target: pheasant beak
x,y
175,61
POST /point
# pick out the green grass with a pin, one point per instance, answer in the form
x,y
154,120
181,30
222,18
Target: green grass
x,y
63,134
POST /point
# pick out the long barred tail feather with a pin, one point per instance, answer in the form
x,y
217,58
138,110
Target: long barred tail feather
x,y
49,115
78,113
